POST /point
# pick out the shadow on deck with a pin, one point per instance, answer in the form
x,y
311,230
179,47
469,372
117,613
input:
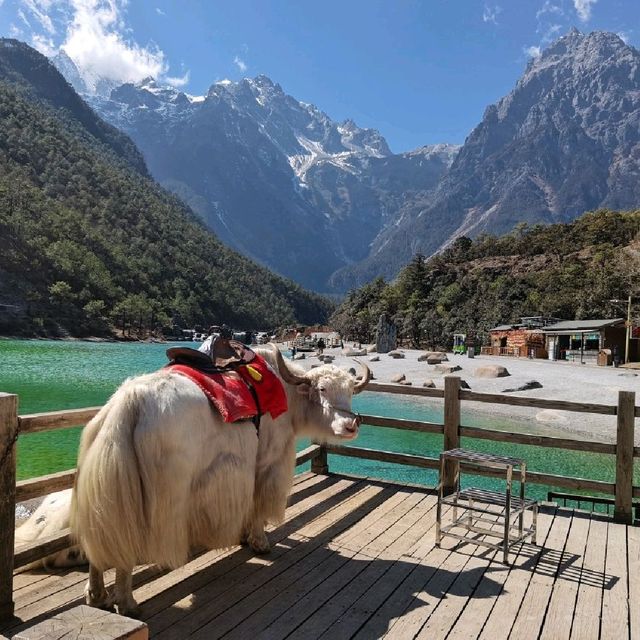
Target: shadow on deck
x,y
356,559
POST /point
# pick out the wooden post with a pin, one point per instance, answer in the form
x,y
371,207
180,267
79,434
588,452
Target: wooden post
x,y
624,457
320,464
451,429
8,431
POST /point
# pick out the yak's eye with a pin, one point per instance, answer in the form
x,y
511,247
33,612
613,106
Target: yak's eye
x,y
322,389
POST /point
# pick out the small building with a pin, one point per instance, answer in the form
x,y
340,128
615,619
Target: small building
x,y
583,340
525,339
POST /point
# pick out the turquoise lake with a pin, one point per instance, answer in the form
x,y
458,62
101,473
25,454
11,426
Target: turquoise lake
x,y
55,375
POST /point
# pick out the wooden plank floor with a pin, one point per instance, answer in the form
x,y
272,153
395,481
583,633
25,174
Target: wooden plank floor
x,y
356,559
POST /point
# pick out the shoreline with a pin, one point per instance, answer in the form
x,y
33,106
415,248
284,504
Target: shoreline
x,y
559,380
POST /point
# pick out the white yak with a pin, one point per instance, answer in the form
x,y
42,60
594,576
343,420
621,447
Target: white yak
x,y
160,473
51,517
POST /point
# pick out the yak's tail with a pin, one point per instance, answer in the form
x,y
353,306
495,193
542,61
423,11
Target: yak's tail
x,y
124,490
108,514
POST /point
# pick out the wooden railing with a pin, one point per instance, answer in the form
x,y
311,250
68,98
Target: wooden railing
x,y
11,424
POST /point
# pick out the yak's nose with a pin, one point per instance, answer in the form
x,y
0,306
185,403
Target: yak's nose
x,y
353,426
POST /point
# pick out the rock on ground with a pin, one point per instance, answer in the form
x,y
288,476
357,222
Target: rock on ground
x,y
491,371
397,355
399,377
532,384
447,368
430,384
354,352
374,359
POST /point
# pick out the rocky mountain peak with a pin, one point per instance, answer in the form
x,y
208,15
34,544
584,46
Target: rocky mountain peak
x,y
445,152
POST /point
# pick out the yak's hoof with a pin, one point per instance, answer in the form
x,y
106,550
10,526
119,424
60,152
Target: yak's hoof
x,y
259,544
130,609
100,600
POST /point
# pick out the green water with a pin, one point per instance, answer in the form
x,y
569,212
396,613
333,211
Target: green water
x,y
53,375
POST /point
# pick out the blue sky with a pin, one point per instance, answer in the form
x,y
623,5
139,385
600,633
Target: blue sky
x,y
420,72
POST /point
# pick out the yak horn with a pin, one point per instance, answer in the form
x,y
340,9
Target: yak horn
x,y
285,373
359,386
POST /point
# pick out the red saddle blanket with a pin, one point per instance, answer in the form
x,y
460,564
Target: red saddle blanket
x,y
230,392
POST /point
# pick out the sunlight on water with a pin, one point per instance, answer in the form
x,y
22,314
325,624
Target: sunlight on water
x,y
52,375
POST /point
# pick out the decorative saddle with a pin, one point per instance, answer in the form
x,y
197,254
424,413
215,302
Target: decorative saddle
x,y
239,383
227,355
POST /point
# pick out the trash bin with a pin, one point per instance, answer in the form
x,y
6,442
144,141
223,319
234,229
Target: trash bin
x,y
604,358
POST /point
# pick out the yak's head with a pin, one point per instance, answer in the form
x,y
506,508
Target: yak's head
x,y
322,404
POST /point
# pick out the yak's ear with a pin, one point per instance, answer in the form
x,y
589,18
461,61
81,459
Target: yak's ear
x,y
303,389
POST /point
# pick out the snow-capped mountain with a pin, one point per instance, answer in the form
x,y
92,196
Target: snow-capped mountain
x,y
566,140
275,178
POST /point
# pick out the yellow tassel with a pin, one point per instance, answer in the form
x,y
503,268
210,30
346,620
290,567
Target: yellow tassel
x,y
254,373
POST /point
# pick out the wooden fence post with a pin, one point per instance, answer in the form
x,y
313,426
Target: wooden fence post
x,y
8,434
624,457
320,464
451,429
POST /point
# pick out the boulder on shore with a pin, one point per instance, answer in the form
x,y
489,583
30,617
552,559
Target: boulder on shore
x,y
491,371
433,357
354,352
374,359
406,383
399,377
447,368
396,354
430,384
532,384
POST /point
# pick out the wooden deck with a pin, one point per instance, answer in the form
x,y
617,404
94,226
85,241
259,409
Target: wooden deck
x,y
356,559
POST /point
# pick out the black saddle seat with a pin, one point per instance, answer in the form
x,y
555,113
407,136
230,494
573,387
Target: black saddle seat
x,y
227,355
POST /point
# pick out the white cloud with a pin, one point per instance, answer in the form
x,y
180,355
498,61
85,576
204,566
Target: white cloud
x,y
491,13
550,33
625,36
24,18
14,31
40,10
44,44
583,8
241,64
96,42
178,81
549,7
533,51
160,12
95,35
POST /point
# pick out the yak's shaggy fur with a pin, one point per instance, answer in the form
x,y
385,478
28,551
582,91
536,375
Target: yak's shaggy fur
x,y
160,473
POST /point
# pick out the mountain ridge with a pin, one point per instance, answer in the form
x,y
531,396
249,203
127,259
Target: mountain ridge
x,y
87,242
266,171
566,140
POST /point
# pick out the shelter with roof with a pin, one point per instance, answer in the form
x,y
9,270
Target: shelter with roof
x,y
523,339
583,340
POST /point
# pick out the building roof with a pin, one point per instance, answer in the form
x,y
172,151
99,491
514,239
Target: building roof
x,y
582,325
505,327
